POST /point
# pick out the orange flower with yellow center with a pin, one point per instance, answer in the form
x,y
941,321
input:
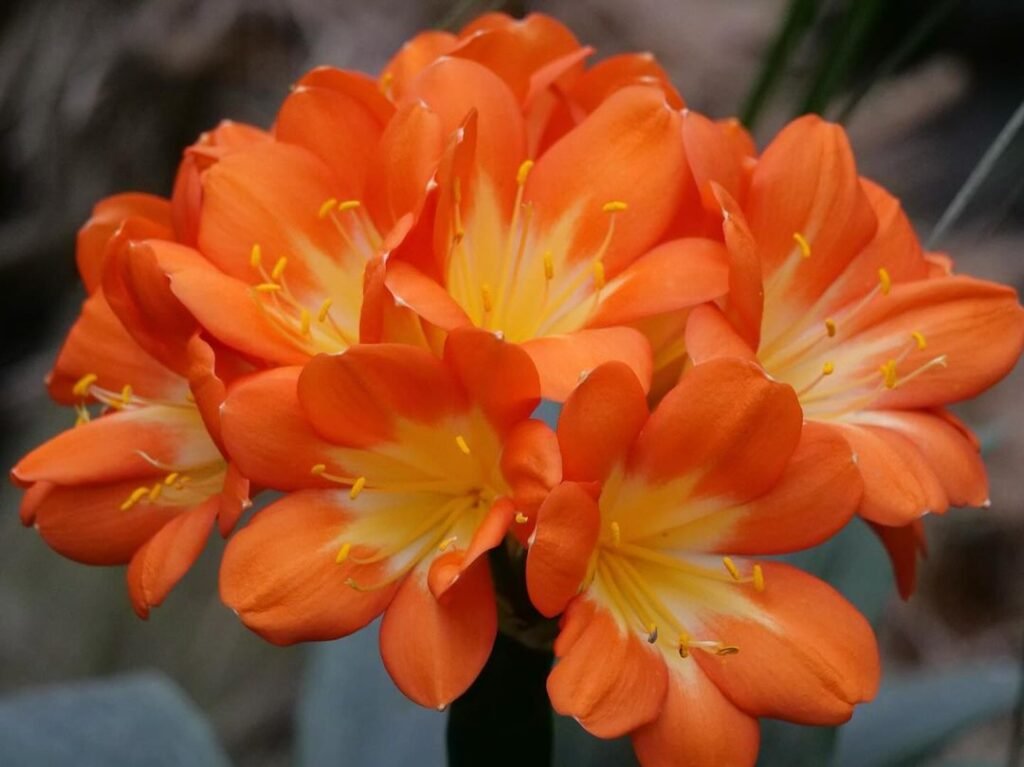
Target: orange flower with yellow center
x,y
403,470
669,633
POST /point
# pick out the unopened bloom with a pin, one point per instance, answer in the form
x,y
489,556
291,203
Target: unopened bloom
x,y
670,632
833,294
402,470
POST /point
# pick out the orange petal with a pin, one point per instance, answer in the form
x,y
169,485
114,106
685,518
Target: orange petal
x,y
904,545
267,434
806,182
805,654
568,523
110,448
531,463
621,71
791,515
355,398
30,500
86,523
697,726
562,359
446,569
726,425
745,304
280,576
612,682
107,217
410,287
952,455
712,159
207,387
709,336
360,87
99,344
498,376
335,127
673,276
600,421
434,648
415,56
638,135
165,558
234,499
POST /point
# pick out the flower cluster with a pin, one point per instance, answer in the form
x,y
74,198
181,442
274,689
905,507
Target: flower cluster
x,y
363,307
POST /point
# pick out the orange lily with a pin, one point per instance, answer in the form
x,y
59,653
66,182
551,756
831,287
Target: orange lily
x,y
831,292
667,633
402,470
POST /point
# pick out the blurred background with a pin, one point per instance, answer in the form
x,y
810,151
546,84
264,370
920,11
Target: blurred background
x,y
99,96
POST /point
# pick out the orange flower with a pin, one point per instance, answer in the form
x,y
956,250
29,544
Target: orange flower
x,y
667,634
831,291
403,470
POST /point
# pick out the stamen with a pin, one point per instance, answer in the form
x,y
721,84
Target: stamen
x,y
305,319
614,206
357,488
318,469
136,496
326,208
461,442
325,307
342,554
826,370
599,277
731,567
347,205
278,270
830,327
920,340
255,256
888,371
171,478
267,287
521,519
155,492
126,395
524,172
939,361
487,295
758,578
616,533
805,247
384,85
884,281
446,543
81,415
549,266
652,633
81,387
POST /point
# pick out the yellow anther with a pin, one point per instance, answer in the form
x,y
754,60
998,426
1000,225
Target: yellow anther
x,y
599,279
461,442
521,519
357,488
325,307
347,205
154,492
804,245
267,287
549,265
126,394
616,533
137,495
727,649
81,387
884,280
830,327
488,297
278,269
731,567
342,554
684,645
888,371
386,80
171,478
828,369
652,633
255,256
758,578
326,208
318,469
614,206
305,318
446,543
920,340
524,171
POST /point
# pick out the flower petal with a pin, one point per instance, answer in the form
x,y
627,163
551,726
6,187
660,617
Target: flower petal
x,y
415,56
697,726
621,71
165,558
711,157
709,335
280,576
806,655
427,298
434,648
562,359
108,216
675,275
745,305
531,463
904,545
609,680
568,523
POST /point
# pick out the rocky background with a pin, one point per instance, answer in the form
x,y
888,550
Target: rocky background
x,y
98,96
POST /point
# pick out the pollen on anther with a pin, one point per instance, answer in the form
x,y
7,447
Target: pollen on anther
x,y
347,205
524,171
342,554
305,319
830,327
326,208
487,296
357,488
126,394
616,533
884,281
171,478
614,206
81,387
267,287
549,265
136,496
278,269
828,368
888,371
920,340
731,567
803,244
758,578
521,519
325,307
155,491
599,275
255,256
318,469
447,543
460,441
